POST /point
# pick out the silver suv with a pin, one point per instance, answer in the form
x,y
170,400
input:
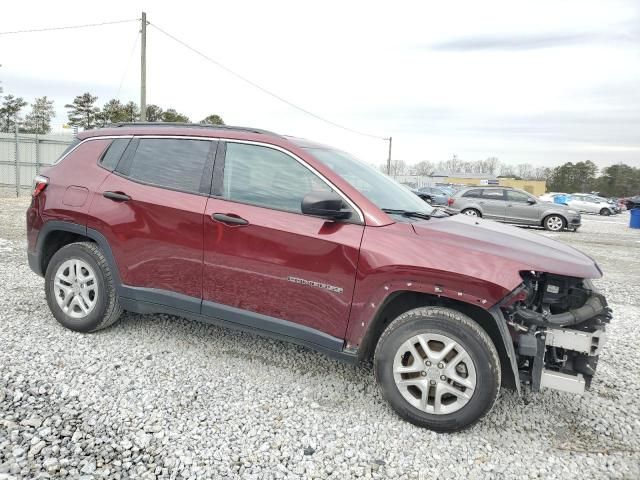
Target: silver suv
x,y
511,205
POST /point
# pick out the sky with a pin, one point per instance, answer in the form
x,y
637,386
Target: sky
x,y
541,82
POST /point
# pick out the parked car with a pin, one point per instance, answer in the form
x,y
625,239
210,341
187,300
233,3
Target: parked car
x,y
511,205
591,204
302,242
555,197
632,202
434,195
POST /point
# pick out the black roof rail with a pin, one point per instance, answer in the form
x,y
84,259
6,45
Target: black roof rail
x,y
189,125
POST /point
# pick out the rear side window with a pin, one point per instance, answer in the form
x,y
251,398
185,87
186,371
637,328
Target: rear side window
x,y
114,152
473,193
167,162
493,194
267,177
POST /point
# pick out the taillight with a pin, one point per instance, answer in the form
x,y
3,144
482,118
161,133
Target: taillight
x,y
39,184
450,201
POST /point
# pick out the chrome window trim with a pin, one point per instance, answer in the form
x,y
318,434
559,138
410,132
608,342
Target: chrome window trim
x,y
88,140
304,164
233,140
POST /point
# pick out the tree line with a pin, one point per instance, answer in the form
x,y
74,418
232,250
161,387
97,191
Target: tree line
x,y
619,180
84,112
489,166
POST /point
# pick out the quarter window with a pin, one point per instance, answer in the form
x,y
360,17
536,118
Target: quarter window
x,y
167,162
114,152
267,177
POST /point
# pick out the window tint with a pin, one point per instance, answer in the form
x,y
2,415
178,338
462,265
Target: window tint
x,y
168,162
114,152
267,177
514,196
493,194
473,193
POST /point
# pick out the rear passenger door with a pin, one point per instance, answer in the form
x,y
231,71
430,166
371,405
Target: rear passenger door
x,y
150,211
493,204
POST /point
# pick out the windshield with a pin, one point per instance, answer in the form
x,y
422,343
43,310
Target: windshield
x,y
377,187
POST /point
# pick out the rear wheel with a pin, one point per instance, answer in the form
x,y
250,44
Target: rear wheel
x,y
80,289
605,211
437,368
472,212
554,223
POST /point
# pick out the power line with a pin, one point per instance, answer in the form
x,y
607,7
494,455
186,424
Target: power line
x,y
68,27
262,89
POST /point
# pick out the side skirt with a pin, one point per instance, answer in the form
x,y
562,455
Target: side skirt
x,y
147,301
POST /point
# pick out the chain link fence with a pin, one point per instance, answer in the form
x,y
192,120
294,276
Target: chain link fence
x,y
22,155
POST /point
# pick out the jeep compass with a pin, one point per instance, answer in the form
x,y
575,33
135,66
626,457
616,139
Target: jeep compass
x,y
302,242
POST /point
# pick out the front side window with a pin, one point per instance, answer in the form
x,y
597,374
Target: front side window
x,y
267,177
514,196
168,162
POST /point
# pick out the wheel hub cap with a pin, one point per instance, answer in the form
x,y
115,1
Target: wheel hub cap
x,y
444,386
75,288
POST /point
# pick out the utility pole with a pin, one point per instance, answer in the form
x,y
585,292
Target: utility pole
x,y
143,69
390,139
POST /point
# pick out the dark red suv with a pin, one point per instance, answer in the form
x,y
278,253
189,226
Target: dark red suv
x,y
302,242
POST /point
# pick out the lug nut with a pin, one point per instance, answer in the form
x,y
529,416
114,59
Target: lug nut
x,y
441,365
427,363
443,378
423,373
432,382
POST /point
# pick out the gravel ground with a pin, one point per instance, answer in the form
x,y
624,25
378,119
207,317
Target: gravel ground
x,y
160,397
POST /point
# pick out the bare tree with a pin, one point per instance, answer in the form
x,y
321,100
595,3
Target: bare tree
x,y
507,171
525,171
423,168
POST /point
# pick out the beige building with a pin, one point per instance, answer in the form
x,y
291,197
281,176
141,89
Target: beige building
x,y
535,187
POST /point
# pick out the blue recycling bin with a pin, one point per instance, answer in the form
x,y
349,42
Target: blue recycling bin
x,y
634,221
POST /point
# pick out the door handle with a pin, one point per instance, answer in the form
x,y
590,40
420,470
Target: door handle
x,y
229,219
119,197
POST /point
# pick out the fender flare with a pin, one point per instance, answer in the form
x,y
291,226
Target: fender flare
x,y
35,258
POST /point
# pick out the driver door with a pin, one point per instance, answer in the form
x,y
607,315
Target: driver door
x,y
264,261
519,210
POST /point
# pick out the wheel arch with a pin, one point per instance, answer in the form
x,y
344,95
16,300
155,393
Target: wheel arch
x,y
56,234
491,321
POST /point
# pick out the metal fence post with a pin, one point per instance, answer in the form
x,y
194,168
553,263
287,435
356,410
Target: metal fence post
x,y
17,166
37,154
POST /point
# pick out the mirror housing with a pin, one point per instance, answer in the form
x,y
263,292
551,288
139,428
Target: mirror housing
x,y
325,205
531,201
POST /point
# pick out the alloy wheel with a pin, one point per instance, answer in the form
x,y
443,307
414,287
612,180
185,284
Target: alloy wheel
x,y
434,373
555,223
75,288
471,212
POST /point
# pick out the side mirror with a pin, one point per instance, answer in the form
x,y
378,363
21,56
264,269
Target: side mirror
x,y
531,201
324,204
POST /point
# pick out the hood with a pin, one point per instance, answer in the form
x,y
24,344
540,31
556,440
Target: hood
x,y
531,251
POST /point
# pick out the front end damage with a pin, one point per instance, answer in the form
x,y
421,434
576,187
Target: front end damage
x,y
557,324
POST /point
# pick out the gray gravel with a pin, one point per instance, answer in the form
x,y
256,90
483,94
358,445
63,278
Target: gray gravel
x,y
161,397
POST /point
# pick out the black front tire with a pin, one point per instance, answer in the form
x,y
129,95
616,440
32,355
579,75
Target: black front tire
x,y
464,331
605,212
107,309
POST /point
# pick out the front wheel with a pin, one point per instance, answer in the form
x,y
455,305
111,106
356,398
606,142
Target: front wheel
x,y
605,211
437,368
80,289
554,223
